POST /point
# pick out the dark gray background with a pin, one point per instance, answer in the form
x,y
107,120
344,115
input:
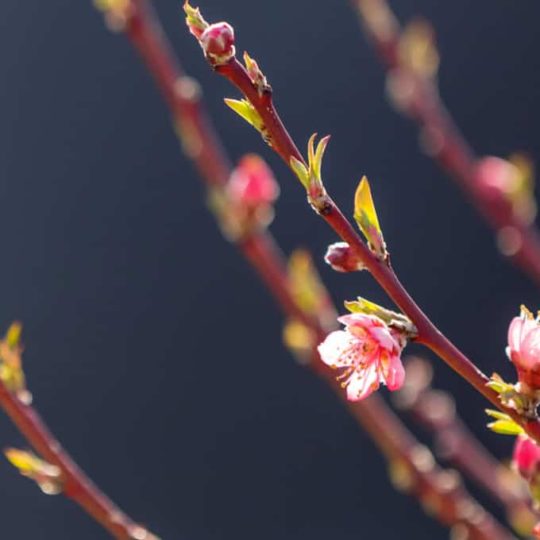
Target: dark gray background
x,y
152,350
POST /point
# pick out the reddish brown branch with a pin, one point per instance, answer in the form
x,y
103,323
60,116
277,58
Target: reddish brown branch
x,y
75,484
428,333
455,443
448,146
451,504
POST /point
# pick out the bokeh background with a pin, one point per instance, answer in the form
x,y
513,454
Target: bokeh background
x,y
151,348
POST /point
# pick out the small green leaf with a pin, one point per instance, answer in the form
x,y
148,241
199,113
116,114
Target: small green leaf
x,y
318,157
506,427
361,305
365,216
498,385
13,335
498,415
391,318
246,110
300,170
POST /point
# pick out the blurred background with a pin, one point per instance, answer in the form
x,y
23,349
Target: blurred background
x,y
151,348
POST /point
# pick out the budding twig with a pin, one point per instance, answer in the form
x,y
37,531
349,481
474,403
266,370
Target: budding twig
x,y
437,490
381,269
57,472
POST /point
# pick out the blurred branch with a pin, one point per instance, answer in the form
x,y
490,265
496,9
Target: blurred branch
x,y
412,466
58,473
455,443
501,191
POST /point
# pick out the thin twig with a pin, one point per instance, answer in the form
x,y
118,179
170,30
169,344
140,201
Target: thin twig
x,y
456,444
382,271
74,483
414,467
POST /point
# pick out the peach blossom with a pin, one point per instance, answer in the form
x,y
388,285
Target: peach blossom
x,y
368,351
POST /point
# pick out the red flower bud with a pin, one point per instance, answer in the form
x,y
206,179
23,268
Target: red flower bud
x,y
252,183
341,258
499,180
217,42
496,173
526,457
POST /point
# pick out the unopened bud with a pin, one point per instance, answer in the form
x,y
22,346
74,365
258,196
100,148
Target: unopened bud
x,y
342,259
252,183
217,42
497,174
526,457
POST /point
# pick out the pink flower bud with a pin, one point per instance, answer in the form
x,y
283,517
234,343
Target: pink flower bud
x,y
526,457
497,180
368,352
217,42
252,183
524,349
341,258
497,174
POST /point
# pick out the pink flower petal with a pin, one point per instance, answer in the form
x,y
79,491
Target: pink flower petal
x,y
395,374
336,349
363,383
384,338
530,349
526,456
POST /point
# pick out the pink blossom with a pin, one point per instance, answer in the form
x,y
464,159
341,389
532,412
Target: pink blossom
x,y
526,457
524,348
252,183
217,42
368,351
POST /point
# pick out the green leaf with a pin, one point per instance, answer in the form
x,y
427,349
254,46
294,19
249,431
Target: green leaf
x,y
498,415
300,170
366,217
363,306
506,427
246,110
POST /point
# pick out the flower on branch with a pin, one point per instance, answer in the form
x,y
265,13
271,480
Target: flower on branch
x,y
526,457
368,352
526,461
252,183
216,40
524,350
245,203
509,184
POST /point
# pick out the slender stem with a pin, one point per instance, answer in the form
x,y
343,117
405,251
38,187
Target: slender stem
x,y
75,484
452,151
428,333
454,442
453,504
